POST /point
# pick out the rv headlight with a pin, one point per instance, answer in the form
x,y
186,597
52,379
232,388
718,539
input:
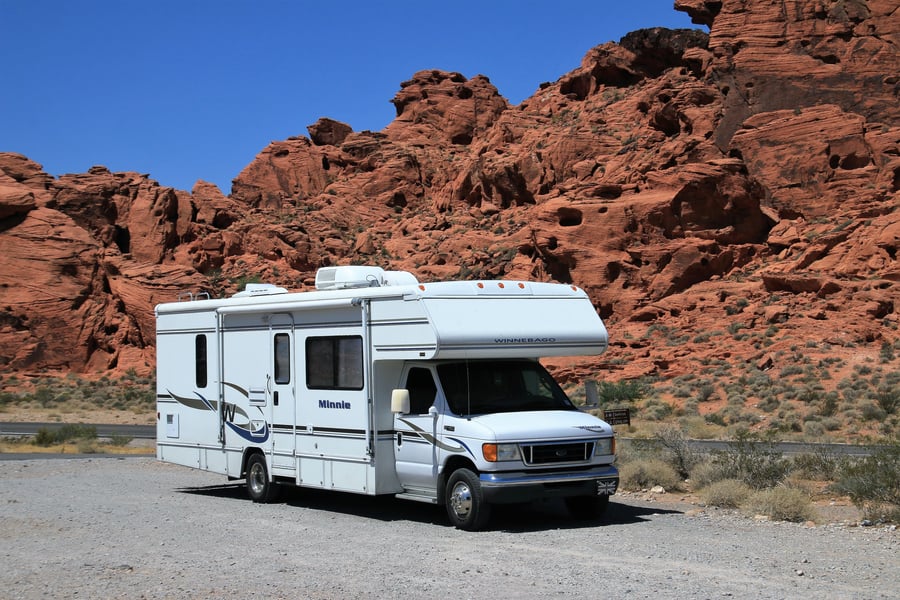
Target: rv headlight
x,y
500,452
605,446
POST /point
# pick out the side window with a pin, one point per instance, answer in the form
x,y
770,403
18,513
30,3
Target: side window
x,y
334,363
282,358
200,362
422,390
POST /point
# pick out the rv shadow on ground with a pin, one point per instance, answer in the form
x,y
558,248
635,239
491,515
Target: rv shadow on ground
x,y
535,516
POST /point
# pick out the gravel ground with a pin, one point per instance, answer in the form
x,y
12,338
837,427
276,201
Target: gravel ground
x,y
136,528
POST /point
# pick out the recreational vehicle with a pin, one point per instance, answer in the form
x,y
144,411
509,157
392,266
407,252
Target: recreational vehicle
x,y
375,383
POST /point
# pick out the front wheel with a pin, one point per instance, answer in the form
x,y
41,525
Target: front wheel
x,y
587,507
259,488
465,502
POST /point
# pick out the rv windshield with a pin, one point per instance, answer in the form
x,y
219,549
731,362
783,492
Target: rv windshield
x,y
479,387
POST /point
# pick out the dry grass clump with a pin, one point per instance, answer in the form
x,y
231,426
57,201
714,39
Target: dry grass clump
x,y
782,504
643,473
726,493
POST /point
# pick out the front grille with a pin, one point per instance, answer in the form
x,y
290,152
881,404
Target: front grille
x,y
543,454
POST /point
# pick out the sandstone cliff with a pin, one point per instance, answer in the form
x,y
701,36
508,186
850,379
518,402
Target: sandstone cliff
x,y
724,197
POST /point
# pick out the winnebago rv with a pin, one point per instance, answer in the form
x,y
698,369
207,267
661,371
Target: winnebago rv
x,y
378,384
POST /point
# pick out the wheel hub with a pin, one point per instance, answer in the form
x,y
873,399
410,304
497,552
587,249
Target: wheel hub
x,y
257,482
461,500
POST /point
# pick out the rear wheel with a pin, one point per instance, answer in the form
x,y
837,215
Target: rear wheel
x,y
259,488
587,507
465,502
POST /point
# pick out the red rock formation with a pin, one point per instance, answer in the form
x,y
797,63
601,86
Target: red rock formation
x,y
746,180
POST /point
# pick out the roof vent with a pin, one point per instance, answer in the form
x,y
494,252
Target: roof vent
x,y
346,277
260,289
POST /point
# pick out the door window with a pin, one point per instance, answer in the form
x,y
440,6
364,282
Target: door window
x,y
422,390
282,358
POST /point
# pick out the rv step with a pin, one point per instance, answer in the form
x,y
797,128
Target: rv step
x,y
418,496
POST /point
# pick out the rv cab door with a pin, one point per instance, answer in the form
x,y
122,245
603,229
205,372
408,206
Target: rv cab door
x,y
415,433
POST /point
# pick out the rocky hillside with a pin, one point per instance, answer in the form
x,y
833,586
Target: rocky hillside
x,y
729,200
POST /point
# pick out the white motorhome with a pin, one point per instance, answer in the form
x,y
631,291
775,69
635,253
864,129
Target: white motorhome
x,y
378,384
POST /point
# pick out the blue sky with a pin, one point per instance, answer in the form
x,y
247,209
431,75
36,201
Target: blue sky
x,y
194,89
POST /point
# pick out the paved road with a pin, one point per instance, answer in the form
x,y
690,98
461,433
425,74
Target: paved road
x,y
147,432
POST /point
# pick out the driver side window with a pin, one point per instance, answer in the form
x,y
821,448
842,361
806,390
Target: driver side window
x,y
422,390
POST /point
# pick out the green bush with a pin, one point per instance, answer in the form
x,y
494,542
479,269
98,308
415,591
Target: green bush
x,y
620,392
782,504
873,483
819,464
67,432
656,410
726,493
120,440
753,461
888,399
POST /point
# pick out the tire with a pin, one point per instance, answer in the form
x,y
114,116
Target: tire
x,y
259,488
587,507
465,502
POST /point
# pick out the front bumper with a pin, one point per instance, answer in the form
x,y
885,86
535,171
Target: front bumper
x,y
522,486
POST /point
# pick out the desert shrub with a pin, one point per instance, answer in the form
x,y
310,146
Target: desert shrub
x,y
44,437
873,483
819,464
620,392
716,418
644,473
87,446
831,424
7,398
813,430
872,412
769,403
726,493
782,504
791,370
656,410
888,399
887,352
705,392
120,440
829,404
705,473
676,450
698,428
753,461
68,432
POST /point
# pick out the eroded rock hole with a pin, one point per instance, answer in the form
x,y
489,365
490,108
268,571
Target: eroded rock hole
x,y
570,217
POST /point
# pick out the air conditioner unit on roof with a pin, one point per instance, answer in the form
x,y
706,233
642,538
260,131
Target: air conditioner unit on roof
x,y
260,289
352,276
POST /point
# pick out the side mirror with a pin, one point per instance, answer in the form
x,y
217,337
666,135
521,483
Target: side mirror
x,y
400,401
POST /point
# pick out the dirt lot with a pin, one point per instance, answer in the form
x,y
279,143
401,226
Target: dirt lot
x,y
135,528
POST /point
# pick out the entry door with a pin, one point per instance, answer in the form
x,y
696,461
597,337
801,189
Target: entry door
x,y
415,450
281,385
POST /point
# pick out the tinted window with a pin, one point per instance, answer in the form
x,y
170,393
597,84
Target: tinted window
x,y
282,358
334,363
422,390
200,362
479,387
